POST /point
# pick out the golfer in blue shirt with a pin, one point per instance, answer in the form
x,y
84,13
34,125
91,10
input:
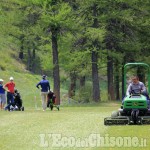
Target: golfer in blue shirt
x,y
45,88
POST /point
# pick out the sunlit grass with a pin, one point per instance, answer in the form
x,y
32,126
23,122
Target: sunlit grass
x,y
22,130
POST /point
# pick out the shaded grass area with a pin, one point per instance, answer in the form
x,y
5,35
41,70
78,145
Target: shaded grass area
x,y
22,130
9,60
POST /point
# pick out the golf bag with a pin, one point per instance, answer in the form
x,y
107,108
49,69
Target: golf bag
x,y
18,101
51,100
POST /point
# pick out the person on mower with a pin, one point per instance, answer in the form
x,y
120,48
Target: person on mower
x,y
137,87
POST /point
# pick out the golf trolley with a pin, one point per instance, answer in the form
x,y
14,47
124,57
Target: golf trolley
x,y
51,101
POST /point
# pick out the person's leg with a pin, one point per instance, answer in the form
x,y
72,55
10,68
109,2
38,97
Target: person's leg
x,y
12,99
3,97
8,107
0,102
145,94
147,97
8,101
1,105
8,98
45,101
42,97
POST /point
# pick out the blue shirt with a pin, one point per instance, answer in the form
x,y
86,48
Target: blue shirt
x,y
45,86
2,90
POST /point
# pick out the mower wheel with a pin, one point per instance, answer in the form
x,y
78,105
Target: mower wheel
x,y
114,114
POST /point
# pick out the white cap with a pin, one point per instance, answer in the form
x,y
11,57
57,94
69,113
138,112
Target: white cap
x,y
11,78
1,80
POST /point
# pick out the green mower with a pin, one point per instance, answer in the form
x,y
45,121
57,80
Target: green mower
x,y
135,107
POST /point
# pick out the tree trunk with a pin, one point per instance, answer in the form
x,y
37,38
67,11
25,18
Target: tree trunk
x,y
95,78
56,75
29,60
111,95
21,54
82,81
123,90
33,60
117,81
141,74
110,44
94,57
123,75
72,88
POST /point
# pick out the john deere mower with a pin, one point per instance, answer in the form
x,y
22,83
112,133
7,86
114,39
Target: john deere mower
x,y
135,108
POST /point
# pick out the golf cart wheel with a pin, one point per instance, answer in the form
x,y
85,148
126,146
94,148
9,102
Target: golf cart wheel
x,y
114,114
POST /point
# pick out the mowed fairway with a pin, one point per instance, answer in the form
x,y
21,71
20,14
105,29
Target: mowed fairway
x,y
31,129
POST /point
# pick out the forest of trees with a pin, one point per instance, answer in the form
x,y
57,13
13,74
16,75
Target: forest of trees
x,y
83,39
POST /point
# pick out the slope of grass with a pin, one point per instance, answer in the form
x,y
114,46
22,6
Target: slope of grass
x,y
26,84
25,81
9,61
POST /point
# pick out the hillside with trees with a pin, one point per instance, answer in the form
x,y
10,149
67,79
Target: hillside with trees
x,y
81,44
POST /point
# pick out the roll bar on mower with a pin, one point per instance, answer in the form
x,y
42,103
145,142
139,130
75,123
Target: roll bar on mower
x,y
137,64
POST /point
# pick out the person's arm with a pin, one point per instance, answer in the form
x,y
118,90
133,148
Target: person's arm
x,y
38,85
143,88
128,90
5,87
49,86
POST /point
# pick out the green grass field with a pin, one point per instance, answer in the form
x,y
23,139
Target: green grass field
x,y
30,130
82,124
26,130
